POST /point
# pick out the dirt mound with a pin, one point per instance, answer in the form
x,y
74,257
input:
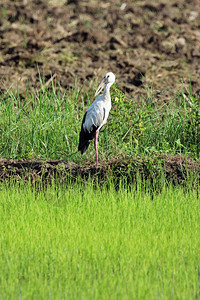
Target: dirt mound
x,y
176,169
146,43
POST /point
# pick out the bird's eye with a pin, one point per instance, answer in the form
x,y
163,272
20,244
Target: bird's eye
x,y
108,76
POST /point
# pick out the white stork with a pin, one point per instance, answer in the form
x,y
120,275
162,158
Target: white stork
x,y
96,115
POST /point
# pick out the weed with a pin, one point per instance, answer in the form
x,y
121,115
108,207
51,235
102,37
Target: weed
x,y
47,123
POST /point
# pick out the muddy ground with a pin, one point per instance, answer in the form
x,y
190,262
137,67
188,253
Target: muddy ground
x,y
150,46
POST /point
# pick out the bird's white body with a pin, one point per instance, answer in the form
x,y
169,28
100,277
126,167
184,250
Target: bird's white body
x,y
98,112
96,116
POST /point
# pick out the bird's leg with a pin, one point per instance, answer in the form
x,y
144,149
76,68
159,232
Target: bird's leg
x,y
95,146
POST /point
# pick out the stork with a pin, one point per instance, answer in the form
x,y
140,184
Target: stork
x,y
96,116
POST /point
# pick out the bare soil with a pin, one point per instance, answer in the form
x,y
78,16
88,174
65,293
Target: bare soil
x,y
145,43
150,46
175,169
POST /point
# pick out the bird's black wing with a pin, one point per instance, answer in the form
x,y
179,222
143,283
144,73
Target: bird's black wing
x,y
85,136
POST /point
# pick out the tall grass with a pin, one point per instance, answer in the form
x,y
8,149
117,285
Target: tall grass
x,y
46,124
84,243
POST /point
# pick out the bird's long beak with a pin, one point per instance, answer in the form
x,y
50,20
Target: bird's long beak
x,y
100,87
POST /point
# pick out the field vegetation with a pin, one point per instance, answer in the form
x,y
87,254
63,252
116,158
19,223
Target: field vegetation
x,y
46,124
82,242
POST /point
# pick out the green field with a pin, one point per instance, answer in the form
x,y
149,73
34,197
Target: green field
x,y
87,242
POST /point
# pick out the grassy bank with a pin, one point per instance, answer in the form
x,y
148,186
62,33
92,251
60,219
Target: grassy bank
x,y
46,125
90,243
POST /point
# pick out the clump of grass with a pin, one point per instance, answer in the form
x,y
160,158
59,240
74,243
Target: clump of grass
x,y
149,128
80,242
43,125
46,124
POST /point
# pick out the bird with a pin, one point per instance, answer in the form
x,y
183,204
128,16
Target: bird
x,y
96,115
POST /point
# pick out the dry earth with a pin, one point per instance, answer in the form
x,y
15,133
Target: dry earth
x,y
145,43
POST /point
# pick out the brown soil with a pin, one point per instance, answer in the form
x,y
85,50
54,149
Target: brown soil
x,y
176,169
146,44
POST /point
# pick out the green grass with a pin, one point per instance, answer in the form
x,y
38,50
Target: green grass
x,y
46,124
82,242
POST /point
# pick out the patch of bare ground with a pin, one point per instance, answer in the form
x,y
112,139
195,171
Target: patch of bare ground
x,y
145,43
176,169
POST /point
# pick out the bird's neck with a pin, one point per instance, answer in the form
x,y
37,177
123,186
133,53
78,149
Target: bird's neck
x,y
107,92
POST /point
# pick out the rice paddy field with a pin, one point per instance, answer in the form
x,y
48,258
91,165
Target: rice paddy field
x,y
92,242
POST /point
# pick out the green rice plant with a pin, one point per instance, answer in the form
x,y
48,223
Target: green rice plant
x,y
79,242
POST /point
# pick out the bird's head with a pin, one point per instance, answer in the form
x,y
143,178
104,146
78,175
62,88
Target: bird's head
x,y
109,78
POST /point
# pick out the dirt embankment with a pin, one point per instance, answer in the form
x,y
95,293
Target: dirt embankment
x,y
176,169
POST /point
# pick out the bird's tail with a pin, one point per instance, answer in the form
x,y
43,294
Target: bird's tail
x,y
83,141
83,145
85,137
